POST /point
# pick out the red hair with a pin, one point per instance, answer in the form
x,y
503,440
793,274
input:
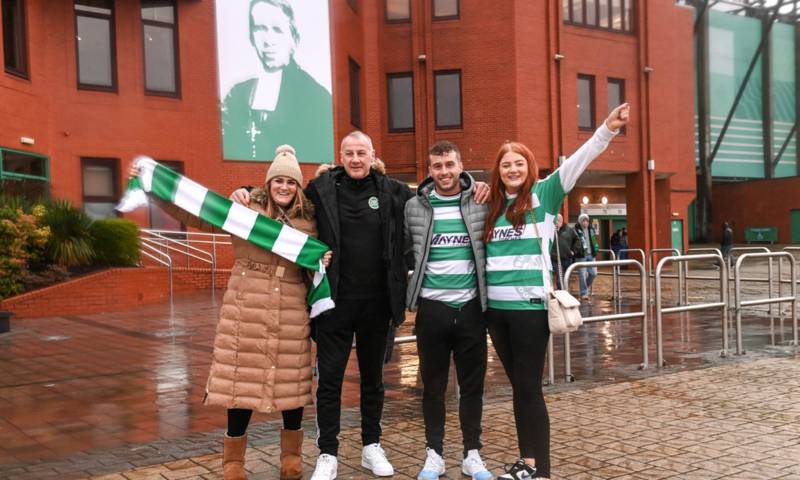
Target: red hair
x,y
516,211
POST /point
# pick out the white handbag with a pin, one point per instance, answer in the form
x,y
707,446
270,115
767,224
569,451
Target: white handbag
x,y
563,310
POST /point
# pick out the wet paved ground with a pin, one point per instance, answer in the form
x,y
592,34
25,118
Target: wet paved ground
x,y
89,395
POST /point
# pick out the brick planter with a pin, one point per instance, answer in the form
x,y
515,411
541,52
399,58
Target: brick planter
x,y
5,321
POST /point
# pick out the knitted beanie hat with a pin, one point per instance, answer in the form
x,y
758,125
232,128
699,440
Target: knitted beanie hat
x,y
285,164
582,216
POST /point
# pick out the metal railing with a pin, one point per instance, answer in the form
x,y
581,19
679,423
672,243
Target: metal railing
x,y
770,300
615,285
680,276
180,243
606,318
722,304
159,257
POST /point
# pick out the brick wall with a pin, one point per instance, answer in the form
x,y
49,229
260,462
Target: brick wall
x,y
757,203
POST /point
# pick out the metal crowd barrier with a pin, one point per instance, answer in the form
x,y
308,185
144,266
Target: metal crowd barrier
x,y
605,318
765,301
733,274
722,304
616,294
680,276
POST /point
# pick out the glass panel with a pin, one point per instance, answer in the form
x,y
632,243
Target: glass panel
x,y
159,58
14,162
585,95
98,181
401,103
94,51
398,9
158,11
591,12
614,94
603,20
616,14
628,15
99,210
23,187
445,8
14,36
577,11
448,99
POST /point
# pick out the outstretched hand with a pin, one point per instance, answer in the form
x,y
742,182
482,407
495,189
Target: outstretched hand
x,y
618,118
241,196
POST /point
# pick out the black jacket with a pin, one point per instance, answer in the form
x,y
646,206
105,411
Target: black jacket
x,y
568,243
392,194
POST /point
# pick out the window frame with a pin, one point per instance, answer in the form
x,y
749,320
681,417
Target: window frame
x,y
389,77
175,50
23,176
395,20
113,41
592,102
22,38
115,174
456,16
355,87
621,83
460,100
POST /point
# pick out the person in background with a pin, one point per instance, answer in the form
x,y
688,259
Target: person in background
x,y
568,244
588,253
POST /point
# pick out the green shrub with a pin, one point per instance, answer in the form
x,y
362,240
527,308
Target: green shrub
x,y
115,242
70,242
22,243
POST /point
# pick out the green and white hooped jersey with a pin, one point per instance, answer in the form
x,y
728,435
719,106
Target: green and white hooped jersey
x,y
450,271
517,274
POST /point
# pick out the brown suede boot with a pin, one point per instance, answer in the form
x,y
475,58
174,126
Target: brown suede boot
x,y
291,450
233,449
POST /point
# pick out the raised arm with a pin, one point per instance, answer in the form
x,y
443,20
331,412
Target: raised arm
x,y
574,166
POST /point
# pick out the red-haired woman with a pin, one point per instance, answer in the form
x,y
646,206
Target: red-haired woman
x,y
521,216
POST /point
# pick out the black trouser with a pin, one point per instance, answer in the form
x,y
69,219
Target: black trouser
x,y
239,419
369,320
442,330
565,262
520,339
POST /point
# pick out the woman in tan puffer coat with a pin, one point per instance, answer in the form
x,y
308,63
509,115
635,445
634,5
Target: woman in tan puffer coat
x,y
262,348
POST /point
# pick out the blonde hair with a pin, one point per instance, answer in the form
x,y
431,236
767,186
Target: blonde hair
x,y
300,207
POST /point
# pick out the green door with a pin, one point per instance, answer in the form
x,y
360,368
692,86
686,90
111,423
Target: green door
x,y
795,226
677,235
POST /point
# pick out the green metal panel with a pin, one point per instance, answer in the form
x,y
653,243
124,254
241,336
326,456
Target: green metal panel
x,y
795,226
677,235
761,234
783,97
692,221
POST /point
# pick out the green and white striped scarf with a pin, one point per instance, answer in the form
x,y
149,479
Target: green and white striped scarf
x,y
238,220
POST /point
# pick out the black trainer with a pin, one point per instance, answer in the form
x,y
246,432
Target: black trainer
x,y
518,471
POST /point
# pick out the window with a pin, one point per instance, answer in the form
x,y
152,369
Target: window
x,y
586,102
445,9
401,102
15,53
160,36
24,173
100,186
159,219
616,95
447,85
95,44
607,14
355,93
398,11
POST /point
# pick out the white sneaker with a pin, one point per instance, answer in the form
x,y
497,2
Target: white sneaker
x,y
473,466
374,458
326,468
434,466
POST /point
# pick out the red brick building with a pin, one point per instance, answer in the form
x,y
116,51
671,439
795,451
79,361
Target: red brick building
x,y
477,72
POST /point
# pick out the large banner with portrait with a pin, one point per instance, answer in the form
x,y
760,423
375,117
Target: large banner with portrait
x,y
274,61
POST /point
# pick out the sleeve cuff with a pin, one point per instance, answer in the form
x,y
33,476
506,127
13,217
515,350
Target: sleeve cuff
x,y
605,133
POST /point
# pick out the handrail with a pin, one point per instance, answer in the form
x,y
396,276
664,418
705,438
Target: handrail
x,y
769,300
160,235
167,261
605,318
722,304
734,273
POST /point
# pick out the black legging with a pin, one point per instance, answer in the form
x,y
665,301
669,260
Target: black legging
x,y
239,418
520,339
